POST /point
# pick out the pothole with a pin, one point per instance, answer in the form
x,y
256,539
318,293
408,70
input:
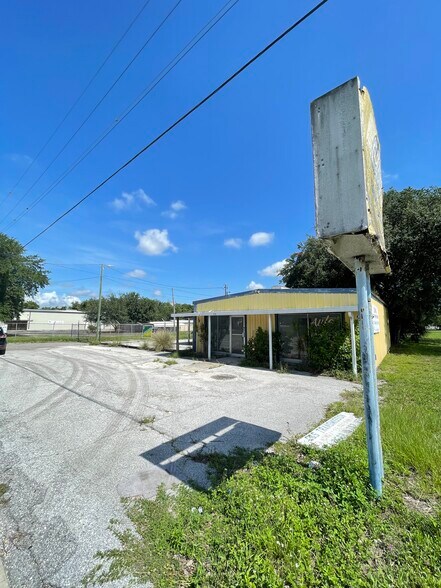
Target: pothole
x,y
223,377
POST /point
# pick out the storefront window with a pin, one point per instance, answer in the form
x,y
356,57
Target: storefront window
x,y
293,330
220,334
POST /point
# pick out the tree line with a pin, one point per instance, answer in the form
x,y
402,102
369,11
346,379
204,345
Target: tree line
x,y
128,308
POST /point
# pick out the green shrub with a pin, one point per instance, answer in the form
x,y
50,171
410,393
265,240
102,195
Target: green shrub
x,y
329,347
257,349
163,340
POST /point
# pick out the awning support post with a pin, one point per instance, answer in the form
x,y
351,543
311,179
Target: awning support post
x,y
370,393
270,342
353,344
209,337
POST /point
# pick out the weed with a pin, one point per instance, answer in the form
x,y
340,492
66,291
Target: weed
x,y
4,489
170,362
162,340
147,420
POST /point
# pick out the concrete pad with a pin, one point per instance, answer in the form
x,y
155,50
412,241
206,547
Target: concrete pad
x,y
72,442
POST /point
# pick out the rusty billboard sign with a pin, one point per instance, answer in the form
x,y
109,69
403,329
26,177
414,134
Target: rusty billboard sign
x,y
347,176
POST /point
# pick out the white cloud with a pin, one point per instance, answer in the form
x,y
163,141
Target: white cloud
x,y
157,293
136,273
178,205
261,238
175,208
255,286
19,158
130,200
272,270
154,242
54,299
389,179
234,243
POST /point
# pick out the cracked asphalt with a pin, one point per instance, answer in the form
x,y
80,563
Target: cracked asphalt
x,y
72,444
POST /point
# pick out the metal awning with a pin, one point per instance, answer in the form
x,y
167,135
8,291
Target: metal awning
x,y
265,311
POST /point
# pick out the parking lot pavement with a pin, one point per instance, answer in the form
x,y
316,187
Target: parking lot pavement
x,y
72,443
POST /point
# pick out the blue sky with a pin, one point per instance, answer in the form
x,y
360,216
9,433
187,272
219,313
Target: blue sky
x,y
229,193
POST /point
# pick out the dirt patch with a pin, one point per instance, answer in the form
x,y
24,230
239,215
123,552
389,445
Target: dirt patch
x,y
424,507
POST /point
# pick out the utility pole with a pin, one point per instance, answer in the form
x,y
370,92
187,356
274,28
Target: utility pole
x,y
174,308
226,289
98,320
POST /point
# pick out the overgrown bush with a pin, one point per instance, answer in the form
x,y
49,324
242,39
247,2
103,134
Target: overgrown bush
x,y
329,347
163,340
257,349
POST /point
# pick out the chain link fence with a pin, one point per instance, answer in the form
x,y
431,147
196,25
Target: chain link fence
x,y
80,331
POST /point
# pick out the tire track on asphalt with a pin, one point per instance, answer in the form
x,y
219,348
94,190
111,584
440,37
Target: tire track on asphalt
x,y
75,392
53,398
109,436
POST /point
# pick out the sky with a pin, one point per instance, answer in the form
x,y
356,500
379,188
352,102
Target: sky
x,y
227,196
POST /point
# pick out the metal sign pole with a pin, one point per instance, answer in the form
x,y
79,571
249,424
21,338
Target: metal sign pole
x,y
371,409
374,363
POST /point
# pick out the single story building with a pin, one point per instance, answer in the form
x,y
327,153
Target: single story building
x,y
224,324
42,319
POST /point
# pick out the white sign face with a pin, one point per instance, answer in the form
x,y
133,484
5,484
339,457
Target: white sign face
x,y
332,431
375,319
347,176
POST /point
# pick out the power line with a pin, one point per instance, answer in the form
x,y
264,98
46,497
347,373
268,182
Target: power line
x,y
182,118
135,280
90,82
72,280
70,267
186,288
123,283
119,119
158,28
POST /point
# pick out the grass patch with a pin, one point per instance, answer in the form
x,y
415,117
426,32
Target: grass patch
x,y
4,489
170,362
271,521
147,420
47,339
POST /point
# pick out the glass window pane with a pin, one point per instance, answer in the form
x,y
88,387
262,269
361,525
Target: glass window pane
x,y
293,329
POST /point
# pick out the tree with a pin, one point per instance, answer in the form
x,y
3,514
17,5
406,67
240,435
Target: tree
x,y
412,292
31,304
314,267
21,276
129,308
76,305
113,310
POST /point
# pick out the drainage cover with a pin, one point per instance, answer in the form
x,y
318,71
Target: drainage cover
x,y
223,377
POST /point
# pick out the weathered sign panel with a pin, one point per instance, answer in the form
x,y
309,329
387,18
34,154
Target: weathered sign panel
x,y
347,176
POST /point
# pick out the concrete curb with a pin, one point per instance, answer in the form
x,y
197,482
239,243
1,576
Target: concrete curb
x,y
3,578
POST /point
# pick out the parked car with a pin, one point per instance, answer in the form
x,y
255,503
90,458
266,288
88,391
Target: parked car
x,y
3,341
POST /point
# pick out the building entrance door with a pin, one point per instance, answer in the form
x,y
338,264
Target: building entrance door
x,y
237,334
